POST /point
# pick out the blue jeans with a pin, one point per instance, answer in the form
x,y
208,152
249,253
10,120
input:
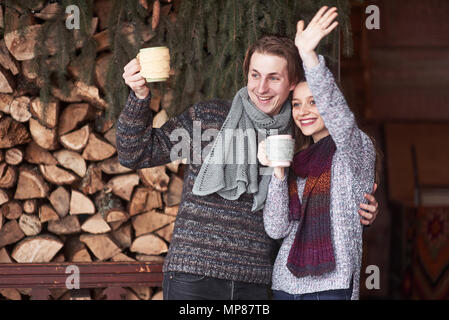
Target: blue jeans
x,y
187,286
340,294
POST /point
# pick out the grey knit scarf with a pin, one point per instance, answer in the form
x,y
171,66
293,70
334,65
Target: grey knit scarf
x,y
231,167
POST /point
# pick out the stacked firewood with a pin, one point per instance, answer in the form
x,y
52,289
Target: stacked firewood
x,y
63,194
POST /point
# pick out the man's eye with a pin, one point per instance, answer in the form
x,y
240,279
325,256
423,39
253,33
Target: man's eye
x,y
254,75
274,78
312,102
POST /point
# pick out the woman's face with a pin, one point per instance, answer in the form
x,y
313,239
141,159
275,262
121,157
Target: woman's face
x,y
305,113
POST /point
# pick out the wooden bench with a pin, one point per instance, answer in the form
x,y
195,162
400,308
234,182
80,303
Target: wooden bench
x,y
114,276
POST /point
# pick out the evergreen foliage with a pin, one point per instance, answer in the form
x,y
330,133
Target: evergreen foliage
x,y
210,38
123,50
207,41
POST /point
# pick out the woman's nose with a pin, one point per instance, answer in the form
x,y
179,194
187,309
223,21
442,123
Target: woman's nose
x,y
301,110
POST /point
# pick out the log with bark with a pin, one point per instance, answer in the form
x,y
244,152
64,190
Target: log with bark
x,y
47,213
12,209
8,175
96,225
80,203
102,246
14,156
30,185
150,221
30,206
30,224
60,200
12,133
37,249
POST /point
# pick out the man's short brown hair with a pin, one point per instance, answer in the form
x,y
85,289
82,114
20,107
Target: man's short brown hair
x,y
278,46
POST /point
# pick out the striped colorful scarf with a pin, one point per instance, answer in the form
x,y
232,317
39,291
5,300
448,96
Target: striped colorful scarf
x,y
312,252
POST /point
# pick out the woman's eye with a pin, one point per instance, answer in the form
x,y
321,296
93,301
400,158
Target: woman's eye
x,y
296,104
254,75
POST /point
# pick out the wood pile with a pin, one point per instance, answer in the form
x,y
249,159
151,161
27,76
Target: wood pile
x,y
63,195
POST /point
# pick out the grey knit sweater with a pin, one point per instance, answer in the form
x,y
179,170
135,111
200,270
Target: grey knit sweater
x,y
212,236
352,176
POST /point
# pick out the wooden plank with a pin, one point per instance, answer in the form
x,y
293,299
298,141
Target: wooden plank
x,y
92,275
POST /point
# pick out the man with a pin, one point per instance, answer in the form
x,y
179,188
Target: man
x,y
219,249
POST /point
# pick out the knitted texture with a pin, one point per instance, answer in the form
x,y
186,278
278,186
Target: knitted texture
x,y
352,175
312,252
228,177
212,236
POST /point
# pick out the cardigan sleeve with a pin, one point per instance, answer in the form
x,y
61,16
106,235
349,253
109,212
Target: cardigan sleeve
x,y
139,145
275,212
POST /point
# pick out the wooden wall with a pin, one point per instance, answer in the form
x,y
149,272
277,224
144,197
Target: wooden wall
x,y
397,84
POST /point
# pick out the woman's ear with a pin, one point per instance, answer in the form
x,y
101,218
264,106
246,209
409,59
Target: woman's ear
x,y
292,87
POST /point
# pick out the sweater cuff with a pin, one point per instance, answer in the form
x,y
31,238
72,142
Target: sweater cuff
x,y
318,68
276,182
134,98
138,108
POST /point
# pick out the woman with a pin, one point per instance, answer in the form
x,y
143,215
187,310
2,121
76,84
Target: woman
x,y
314,208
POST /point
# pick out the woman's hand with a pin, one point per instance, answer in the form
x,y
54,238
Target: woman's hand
x,y
134,80
307,40
262,154
263,159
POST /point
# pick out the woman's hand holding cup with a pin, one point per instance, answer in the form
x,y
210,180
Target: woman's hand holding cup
x,y
276,152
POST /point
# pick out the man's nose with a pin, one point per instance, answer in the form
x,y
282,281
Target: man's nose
x,y
263,86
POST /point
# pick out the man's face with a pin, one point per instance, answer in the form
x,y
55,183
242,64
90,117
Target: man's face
x,y
268,84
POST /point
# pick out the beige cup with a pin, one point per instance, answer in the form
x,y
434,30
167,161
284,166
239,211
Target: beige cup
x,y
154,63
280,149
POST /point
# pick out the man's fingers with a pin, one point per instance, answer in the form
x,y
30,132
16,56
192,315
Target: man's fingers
x,y
368,207
130,64
370,198
300,27
135,77
131,68
138,83
365,222
319,14
365,214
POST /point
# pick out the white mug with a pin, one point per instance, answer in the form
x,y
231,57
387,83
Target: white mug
x,y
280,150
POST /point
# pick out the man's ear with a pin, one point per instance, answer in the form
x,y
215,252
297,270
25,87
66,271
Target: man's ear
x,y
292,87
